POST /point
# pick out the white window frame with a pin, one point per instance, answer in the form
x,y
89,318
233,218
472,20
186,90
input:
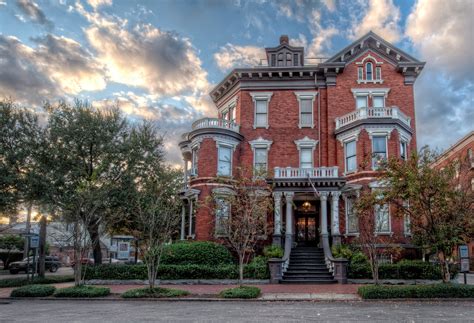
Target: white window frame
x,y
194,161
378,95
404,145
306,143
260,143
231,149
386,147
261,96
406,220
229,110
370,93
376,69
366,96
219,229
378,73
354,140
360,73
350,200
377,209
306,96
371,71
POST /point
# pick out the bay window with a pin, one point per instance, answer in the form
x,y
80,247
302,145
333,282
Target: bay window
x,y
224,163
350,156
379,150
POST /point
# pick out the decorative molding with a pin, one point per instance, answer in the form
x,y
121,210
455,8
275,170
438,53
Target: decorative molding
x,y
222,191
370,91
266,96
260,143
225,142
377,63
306,143
349,136
306,95
382,130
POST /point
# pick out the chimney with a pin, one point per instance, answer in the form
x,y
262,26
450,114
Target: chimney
x,y
284,39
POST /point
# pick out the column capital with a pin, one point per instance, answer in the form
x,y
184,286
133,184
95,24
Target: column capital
x,y
323,196
289,196
335,195
277,195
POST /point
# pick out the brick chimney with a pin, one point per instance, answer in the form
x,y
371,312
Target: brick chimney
x,y
284,39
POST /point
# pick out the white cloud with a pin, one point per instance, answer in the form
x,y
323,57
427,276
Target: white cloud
x,y
330,5
34,13
230,56
321,41
380,16
98,3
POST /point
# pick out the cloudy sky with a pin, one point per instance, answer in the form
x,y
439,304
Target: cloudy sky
x,y
160,59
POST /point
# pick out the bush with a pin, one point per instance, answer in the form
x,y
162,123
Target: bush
x,y
273,252
257,269
405,269
241,292
33,291
359,258
156,292
82,291
196,253
341,251
417,291
17,282
115,272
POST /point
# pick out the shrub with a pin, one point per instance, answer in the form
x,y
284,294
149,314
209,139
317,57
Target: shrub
x,y
241,292
156,292
359,258
17,282
196,253
273,252
341,251
417,291
82,291
257,269
33,291
115,272
405,269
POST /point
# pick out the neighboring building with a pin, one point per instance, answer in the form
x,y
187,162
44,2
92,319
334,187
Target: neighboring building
x,y
331,121
463,152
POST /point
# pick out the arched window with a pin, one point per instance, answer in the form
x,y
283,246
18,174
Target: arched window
x,y
368,72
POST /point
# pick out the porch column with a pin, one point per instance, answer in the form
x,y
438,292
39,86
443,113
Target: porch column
x,y
336,235
190,231
289,218
323,196
277,219
183,221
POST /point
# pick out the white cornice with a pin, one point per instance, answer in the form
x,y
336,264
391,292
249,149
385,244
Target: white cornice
x,y
260,143
306,143
370,91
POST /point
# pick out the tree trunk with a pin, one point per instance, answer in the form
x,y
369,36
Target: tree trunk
x,y
241,269
42,247
27,229
95,240
444,267
77,255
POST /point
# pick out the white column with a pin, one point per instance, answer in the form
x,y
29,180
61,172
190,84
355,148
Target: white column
x,y
335,213
289,213
183,221
323,196
190,231
277,212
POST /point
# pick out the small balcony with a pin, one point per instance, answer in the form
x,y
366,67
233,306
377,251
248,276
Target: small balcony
x,y
393,113
299,173
215,123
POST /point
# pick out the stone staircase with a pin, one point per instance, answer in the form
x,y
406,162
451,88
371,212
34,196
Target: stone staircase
x,y
307,266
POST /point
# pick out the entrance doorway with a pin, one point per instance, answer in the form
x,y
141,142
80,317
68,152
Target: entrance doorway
x,y
306,228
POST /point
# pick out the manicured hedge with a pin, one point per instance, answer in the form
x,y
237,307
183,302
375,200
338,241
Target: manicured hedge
x,y
196,253
82,291
257,269
402,270
241,292
17,282
156,292
33,291
417,291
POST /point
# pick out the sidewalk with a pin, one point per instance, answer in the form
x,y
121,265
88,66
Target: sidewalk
x,y
269,291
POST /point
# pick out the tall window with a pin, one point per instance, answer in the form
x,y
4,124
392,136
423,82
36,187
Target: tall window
x,y
222,216
306,157
288,59
360,73
379,150
382,219
361,101
350,155
406,219
295,60
232,113
260,161
403,150
280,59
261,113
273,60
368,72
306,112
194,162
352,223
378,73
378,101
224,165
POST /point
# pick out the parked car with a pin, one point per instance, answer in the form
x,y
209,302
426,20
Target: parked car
x,y
51,263
84,261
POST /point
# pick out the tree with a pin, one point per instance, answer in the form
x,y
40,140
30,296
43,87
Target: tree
x,y
439,202
9,245
157,214
241,214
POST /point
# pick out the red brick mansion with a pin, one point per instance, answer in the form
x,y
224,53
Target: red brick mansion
x,y
327,123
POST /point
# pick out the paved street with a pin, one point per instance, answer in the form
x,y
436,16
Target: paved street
x,y
135,311
61,271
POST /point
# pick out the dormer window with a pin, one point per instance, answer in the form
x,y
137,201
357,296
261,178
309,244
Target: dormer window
x,y
368,72
280,59
285,55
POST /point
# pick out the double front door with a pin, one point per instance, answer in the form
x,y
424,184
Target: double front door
x,y
306,228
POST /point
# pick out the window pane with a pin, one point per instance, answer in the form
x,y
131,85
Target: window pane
x,y
368,71
306,119
222,216
261,119
260,155
224,153
224,163
360,73
306,105
378,73
351,164
352,222
379,144
261,106
378,101
306,158
361,102
382,218
351,148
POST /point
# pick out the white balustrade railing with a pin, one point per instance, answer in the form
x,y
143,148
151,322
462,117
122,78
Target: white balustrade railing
x,y
369,113
215,123
317,172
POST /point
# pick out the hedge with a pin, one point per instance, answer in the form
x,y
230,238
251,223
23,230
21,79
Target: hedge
x,y
417,291
402,270
156,292
33,291
196,253
82,291
241,292
17,282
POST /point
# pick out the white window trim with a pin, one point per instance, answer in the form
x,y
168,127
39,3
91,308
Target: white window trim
x,y
260,96
375,64
226,108
381,134
260,143
221,195
366,96
225,143
378,95
306,95
370,92
403,142
346,199
371,71
306,143
354,139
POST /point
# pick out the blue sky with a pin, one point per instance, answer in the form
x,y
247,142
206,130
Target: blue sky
x,y
160,59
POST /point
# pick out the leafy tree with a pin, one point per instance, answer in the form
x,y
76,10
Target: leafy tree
x,y
439,202
10,244
241,214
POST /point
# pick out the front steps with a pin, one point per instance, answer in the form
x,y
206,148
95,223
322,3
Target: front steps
x,y
307,266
